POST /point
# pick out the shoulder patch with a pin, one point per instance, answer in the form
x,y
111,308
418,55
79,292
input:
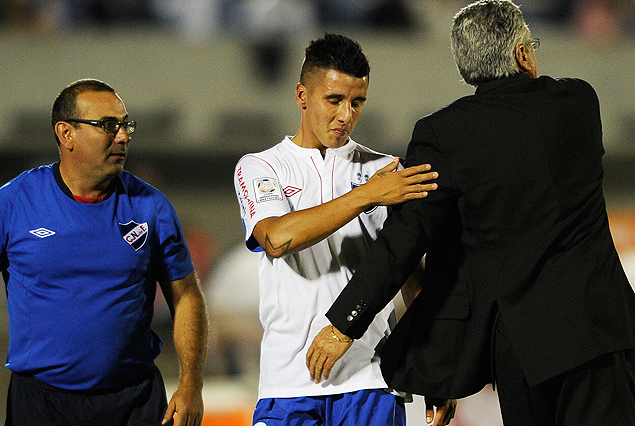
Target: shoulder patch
x,y
267,189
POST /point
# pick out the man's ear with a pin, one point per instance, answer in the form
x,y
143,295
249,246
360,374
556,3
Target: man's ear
x,y
300,95
65,134
524,60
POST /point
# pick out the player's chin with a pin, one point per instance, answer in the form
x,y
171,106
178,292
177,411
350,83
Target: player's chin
x,y
117,167
339,141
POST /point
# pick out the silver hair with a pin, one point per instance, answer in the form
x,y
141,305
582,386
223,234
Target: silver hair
x,y
484,39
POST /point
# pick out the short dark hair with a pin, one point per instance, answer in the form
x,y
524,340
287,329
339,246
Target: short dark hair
x,y
65,105
335,52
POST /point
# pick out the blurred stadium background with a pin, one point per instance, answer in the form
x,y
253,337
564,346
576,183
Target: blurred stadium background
x,y
210,80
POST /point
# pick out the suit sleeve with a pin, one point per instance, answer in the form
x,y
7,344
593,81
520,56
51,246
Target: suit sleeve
x,y
400,245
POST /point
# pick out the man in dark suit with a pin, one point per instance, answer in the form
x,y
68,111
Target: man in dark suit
x,y
524,287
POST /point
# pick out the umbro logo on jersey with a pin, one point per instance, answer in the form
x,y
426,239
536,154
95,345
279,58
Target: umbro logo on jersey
x,y
135,234
290,191
42,232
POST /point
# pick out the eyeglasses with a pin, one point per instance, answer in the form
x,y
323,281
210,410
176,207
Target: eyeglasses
x,y
109,125
535,43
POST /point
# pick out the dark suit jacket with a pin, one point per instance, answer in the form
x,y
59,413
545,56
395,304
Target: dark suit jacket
x,y
517,226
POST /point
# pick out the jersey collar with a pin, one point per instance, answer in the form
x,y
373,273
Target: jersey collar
x,y
343,151
67,191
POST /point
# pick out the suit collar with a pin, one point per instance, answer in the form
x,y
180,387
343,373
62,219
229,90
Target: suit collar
x,y
499,83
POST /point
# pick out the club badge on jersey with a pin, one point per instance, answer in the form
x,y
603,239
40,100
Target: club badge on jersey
x,y
135,234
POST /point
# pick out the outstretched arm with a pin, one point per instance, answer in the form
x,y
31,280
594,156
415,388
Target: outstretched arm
x,y
330,344
187,306
297,230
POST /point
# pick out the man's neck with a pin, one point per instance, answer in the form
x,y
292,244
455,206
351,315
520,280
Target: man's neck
x,y
83,186
298,139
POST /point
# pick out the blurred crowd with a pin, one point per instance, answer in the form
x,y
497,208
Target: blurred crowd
x,y
265,25
596,19
204,17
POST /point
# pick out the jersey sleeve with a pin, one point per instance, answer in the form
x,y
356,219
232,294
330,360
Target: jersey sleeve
x,y
260,195
6,195
4,214
175,259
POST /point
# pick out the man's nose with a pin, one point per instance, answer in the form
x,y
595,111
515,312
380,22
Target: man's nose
x,y
345,112
122,135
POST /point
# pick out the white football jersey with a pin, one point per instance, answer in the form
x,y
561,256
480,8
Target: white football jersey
x,y
297,290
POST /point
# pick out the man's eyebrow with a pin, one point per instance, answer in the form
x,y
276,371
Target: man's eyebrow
x,y
337,96
111,117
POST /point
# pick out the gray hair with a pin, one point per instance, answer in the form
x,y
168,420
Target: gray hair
x,y
484,39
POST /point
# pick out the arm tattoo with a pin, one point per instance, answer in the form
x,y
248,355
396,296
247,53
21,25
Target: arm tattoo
x,y
270,248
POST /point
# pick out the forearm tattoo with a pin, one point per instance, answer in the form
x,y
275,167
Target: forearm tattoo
x,y
270,248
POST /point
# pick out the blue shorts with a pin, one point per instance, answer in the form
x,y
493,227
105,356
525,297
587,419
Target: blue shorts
x,y
374,407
